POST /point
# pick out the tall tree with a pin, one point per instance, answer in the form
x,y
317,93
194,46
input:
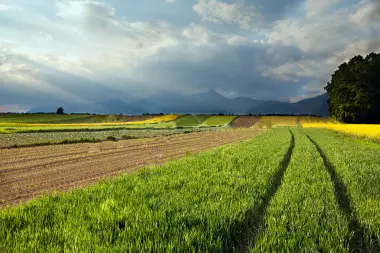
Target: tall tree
x,y
59,110
354,90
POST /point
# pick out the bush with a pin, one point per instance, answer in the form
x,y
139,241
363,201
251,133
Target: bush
x,y
128,137
111,138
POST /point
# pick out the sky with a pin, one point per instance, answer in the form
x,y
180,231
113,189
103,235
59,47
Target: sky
x,y
85,51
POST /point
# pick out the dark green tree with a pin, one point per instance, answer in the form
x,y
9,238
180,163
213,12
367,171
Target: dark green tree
x,y
59,110
354,90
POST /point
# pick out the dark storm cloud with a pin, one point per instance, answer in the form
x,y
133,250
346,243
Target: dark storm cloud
x,y
84,51
234,68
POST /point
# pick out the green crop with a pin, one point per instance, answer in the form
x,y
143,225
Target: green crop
x,y
42,118
304,216
218,121
317,191
30,139
191,120
201,203
356,169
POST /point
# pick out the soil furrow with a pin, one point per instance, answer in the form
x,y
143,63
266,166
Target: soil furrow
x,y
54,171
22,167
29,153
80,157
24,185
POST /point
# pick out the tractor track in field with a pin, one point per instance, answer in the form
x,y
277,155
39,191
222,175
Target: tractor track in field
x,y
358,242
255,217
76,165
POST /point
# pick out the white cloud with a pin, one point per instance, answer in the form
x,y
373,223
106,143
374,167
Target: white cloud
x,y
326,39
319,71
93,40
367,13
87,40
238,40
224,13
4,7
199,33
10,7
314,8
90,45
329,31
203,36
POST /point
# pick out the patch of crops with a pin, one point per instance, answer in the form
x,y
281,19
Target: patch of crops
x,y
157,119
357,130
96,119
274,121
310,119
202,203
245,121
25,139
355,168
191,120
218,121
304,216
318,192
41,118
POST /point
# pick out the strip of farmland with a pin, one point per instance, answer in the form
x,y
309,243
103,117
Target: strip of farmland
x,y
304,208
27,172
355,169
245,121
202,203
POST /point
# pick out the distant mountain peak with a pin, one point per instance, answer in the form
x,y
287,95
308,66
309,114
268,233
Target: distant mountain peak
x,y
209,93
207,102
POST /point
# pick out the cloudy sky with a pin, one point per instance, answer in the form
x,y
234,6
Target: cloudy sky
x,y
83,51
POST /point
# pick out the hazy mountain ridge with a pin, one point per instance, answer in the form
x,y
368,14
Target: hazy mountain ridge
x,y
208,102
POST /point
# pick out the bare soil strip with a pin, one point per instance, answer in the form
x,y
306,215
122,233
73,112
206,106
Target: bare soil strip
x,y
245,121
28,172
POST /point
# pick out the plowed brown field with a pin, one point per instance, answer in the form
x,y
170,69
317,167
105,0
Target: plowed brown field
x,y
27,172
245,121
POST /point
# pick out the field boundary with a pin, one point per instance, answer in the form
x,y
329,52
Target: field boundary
x,y
357,242
108,129
255,217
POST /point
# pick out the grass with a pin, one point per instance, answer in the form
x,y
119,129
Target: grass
x,y
41,118
12,130
191,120
356,168
48,138
303,215
197,204
316,192
159,122
81,118
274,121
218,121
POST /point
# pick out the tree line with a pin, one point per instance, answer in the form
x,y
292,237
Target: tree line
x,y
354,90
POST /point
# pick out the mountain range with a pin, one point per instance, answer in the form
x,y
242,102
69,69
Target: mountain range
x,y
203,103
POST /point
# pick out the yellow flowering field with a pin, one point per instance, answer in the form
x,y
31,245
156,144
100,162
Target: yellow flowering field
x,y
158,119
360,130
274,121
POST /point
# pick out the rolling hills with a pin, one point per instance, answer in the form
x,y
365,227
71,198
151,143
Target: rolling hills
x,y
203,103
